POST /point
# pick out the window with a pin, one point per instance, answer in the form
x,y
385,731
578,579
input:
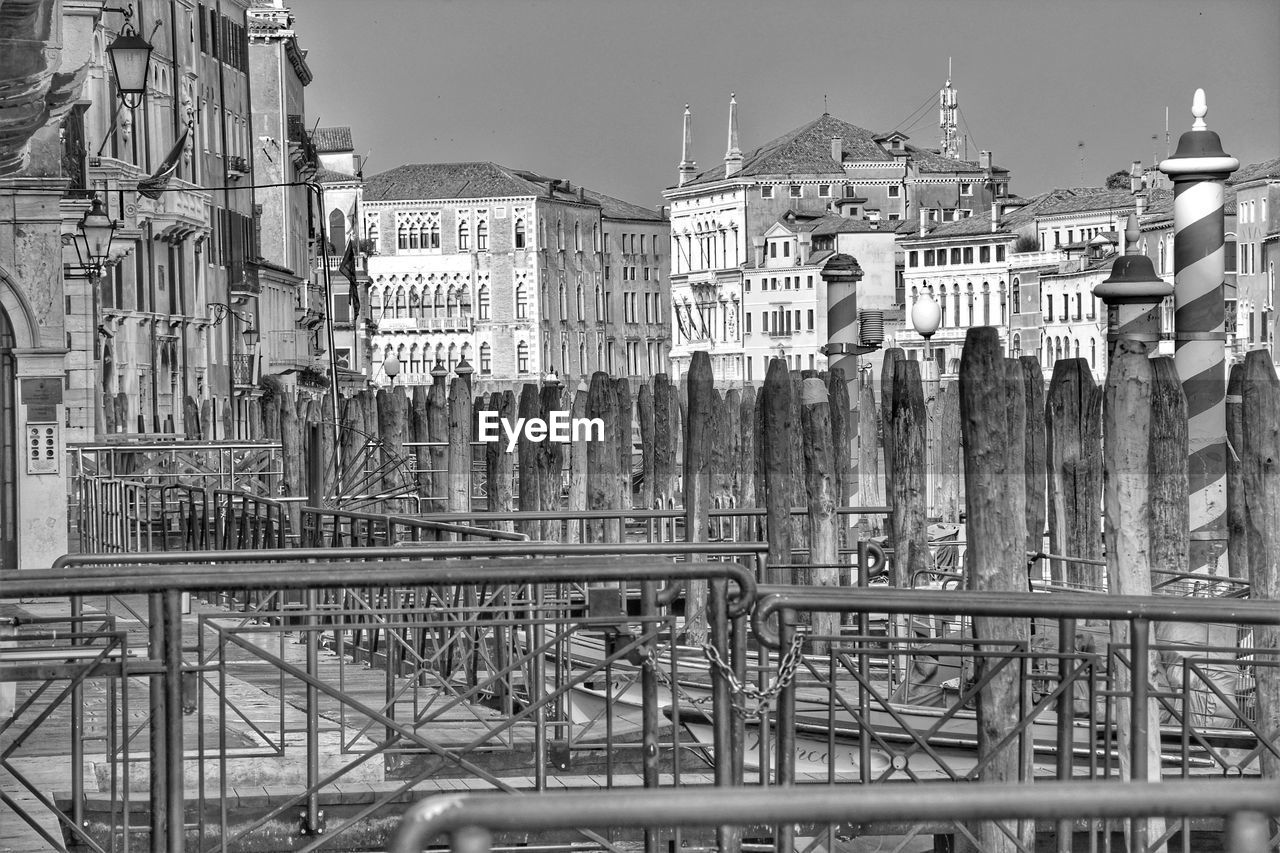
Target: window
x,y
895,191
913,259
522,357
486,359
928,257
796,190
342,355
560,234
986,304
824,190
999,253
748,318
520,234
577,236
966,189
464,236
766,192
955,256
811,319
522,301
482,236
786,249
968,254
984,254
810,282
402,236
773,249
1048,313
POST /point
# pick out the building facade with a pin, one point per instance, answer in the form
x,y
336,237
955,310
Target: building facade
x,y
512,272
826,166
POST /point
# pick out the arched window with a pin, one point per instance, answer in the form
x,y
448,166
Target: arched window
x,y
466,353
439,356
955,305
402,303
986,304
1017,346
1161,251
522,357
482,303
375,303
486,359
1017,296
1093,353
1004,317
371,234
582,315
595,238
422,235
942,306
482,236
969,294
337,232
415,359
464,236
577,236
434,233
520,234
522,301
453,357
450,302
437,302
1077,347
402,235
560,234
415,301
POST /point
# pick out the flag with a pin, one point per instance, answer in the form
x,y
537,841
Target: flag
x,y
348,268
153,186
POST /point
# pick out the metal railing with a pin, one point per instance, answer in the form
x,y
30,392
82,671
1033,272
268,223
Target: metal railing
x,y
471,819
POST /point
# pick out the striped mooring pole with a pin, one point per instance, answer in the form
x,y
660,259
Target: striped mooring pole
x,y
841,275
1199,169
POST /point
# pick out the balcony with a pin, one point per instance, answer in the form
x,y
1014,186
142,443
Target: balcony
x,y
237,167
242,278
426,324
180,212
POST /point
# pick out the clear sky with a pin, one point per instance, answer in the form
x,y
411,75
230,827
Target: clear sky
x,y
593,90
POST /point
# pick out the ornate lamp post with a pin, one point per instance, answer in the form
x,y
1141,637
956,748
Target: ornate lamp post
x,y
391,367
926,316
130,57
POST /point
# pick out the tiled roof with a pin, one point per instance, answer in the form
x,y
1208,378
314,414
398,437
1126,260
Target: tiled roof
x,y
329,176
616,208
330,139
1256,171
447,180
807,151
425,181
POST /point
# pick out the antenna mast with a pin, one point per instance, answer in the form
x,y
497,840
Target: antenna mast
x,y
947,117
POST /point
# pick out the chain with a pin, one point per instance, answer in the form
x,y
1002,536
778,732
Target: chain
x,y
743,693
665,680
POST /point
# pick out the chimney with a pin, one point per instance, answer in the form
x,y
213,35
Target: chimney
x,y
1140,203
837,149
806,247
733,154
582,193
924,222
995,217
984,160
687,166
757,243
1135,177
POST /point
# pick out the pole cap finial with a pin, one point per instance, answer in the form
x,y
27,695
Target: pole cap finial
x,y
1199,107
1131,235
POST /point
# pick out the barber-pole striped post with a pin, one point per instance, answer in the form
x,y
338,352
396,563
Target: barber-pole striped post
x,y
841,275
1199,169
1132,293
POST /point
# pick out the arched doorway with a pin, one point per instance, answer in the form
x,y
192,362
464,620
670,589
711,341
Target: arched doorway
x,y
8,449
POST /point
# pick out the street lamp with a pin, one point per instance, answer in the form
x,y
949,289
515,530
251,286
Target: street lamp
x,y
926,316
130,56
220,311
93,238
391,367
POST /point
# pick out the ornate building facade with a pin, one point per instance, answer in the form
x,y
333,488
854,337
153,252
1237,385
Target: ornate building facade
x,y
516,273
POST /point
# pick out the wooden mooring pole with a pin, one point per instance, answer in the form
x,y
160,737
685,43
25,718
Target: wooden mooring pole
x,y
993,422
697,485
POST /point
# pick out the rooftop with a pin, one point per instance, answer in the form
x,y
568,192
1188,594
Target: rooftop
x,y
807,151
332,139
1256,171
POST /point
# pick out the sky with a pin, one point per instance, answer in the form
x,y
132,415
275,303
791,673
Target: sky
x,y
1063,92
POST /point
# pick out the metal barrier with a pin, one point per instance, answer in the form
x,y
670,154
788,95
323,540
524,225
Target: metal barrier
x,y
844,693
518,620
470,819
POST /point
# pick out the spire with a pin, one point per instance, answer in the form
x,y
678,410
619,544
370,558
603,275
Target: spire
x,y
733,157
686,165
